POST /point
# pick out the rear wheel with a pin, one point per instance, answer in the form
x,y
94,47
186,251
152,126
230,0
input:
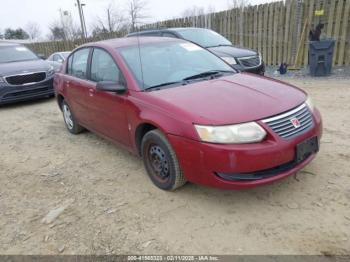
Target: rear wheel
x,y
161,162
69,119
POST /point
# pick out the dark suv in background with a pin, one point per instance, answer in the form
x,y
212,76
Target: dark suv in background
x,y
239,58
23,74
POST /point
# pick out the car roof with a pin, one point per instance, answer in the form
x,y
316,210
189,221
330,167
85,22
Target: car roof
x,y
174,29
186,28
132,41
61,52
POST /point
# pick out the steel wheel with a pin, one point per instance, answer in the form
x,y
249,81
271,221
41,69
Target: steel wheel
x,y
158,162
68,117
161,162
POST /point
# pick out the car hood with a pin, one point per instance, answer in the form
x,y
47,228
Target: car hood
x,y
23,67
228,100
232,51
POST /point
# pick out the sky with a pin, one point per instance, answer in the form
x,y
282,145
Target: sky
x,y
18,13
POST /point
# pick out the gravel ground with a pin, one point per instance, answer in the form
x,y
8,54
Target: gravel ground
x,y
338,72
65,194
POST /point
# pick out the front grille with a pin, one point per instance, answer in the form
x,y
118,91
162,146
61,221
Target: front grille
x,y
24,79
283,124
250,62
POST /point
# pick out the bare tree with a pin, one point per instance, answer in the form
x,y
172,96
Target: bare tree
x,y
56,32
238,3
136,12
64,28
210,9
113,21
33,30
193,11
71,29
197,11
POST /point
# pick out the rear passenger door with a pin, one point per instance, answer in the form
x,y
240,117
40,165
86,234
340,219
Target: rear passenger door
x,y
77,85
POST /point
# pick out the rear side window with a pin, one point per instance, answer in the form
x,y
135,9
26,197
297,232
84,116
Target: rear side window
x,y
77,64
103,67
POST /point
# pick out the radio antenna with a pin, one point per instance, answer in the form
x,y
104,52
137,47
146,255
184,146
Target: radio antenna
x,y
139,49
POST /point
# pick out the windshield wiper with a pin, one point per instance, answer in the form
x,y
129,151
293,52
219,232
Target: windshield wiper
x,y
218,45
158,87
211,73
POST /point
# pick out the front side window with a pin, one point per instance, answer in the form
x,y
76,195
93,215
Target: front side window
x,y
16,53
57,58
158,63
103,67
78,65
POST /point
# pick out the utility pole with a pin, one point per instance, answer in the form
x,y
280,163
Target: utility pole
x,y
82,12
109,20
81,19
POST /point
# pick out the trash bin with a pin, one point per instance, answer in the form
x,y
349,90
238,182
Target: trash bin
x,y
321,57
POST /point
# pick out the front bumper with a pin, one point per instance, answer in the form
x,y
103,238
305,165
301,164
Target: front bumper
x,y
211,164
259,70
14,93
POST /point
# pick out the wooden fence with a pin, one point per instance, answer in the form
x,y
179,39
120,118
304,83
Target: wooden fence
x,y
278,30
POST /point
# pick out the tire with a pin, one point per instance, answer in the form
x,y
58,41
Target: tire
x,y
69,119
161,162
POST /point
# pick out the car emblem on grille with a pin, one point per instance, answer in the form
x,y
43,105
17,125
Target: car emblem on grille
x,y
295,122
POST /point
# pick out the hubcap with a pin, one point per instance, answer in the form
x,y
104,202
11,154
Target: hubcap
x,y
159,162
67,116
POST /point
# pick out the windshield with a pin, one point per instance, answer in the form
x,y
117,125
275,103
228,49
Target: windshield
x,y
204,37
65,54
170,62
16,54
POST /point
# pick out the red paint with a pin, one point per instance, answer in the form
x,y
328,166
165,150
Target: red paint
x,y
228,100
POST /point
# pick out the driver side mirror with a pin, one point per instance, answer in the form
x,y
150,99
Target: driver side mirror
x,y
109,86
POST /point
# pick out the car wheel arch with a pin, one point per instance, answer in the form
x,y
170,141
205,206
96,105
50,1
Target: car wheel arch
x,y
60,99
141,130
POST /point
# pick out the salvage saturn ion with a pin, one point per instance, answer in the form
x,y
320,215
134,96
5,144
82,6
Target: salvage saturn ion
x,y
188,113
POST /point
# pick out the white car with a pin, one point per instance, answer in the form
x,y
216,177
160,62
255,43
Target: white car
x,y
58,57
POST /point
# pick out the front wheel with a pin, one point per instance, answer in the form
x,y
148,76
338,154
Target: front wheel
x,y
69,119
161,162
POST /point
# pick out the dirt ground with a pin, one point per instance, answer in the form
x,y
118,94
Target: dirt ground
x,y
111,207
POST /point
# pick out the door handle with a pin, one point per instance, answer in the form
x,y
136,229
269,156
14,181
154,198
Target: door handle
x,y
91,91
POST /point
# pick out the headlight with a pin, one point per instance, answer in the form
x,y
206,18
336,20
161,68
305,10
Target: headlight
x,y
51,71
309,103
230,60
232,134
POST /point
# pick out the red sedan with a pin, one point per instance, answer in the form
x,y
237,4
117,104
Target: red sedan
x,y
188,113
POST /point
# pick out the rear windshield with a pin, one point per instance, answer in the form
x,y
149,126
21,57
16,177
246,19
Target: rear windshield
x,y
204,37
16,54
